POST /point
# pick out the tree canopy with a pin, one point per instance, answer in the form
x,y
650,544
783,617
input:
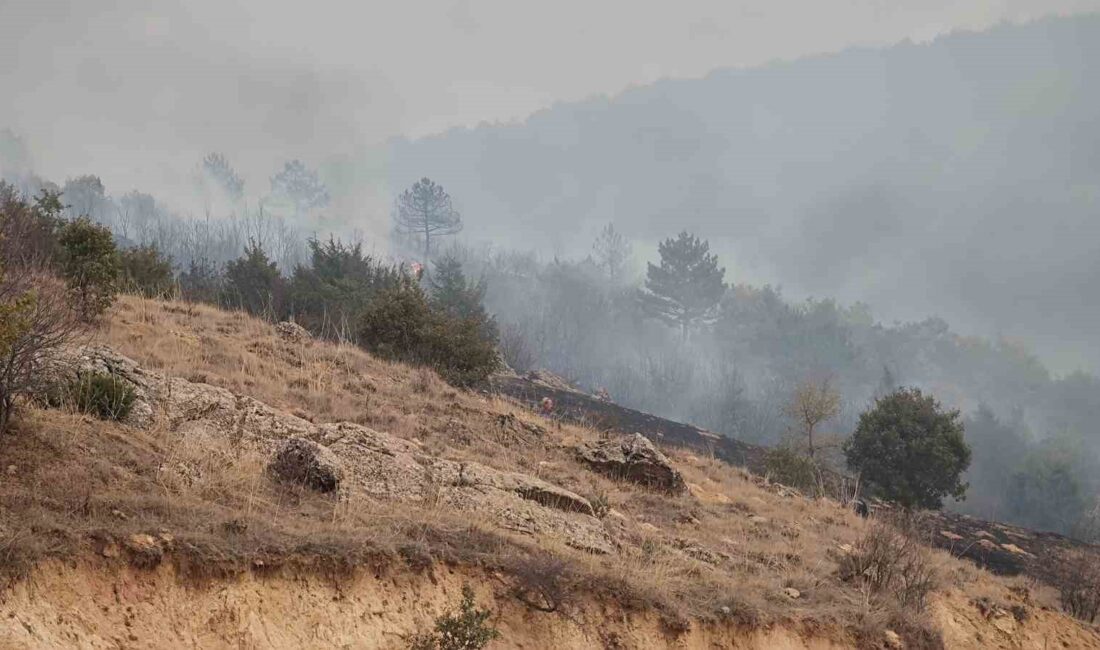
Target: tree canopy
x,y
301,186
909,450
425,210
687,286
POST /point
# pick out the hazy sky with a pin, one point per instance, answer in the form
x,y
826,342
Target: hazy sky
x,y
136,91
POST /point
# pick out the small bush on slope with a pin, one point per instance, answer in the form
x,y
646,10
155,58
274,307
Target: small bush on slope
x,y
892,563
102,395
461,630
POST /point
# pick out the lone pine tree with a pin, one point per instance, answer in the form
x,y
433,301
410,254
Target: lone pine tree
x,y
687,286
425,210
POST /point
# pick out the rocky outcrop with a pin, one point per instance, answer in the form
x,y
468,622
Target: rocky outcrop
x,y
346,457
387,467
633,458
306,463
292,332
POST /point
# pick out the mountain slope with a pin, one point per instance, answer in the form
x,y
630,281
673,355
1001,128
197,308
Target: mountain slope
x,y
170,530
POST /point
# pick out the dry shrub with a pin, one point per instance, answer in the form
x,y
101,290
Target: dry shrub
x,y
890,561
1077,577
916,631
601,504
543,581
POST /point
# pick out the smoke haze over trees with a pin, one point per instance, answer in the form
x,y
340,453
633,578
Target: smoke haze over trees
x,y
930,211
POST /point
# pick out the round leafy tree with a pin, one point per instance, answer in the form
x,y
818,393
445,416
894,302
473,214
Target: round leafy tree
x,y
909,450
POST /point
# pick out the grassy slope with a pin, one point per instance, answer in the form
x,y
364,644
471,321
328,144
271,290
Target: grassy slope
x,y
77,486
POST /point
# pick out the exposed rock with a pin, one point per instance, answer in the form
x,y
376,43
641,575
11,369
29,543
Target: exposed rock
x,y
307,463
950,535
892,640
546,378
292,332
699,552
374,463
633,458
144,550
792,593
1012,548
392,468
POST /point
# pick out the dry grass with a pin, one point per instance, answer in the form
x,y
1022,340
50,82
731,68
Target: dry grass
x,y
728,550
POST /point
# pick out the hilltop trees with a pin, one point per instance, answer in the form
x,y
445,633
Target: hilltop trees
x,y
425,210
908,449
86,196
253,282
458,297
301,186
337,286
145,270
687,286
215,174
402,323
612,250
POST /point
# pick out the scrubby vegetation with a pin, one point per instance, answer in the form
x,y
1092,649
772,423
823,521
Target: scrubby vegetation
x,y
144,270
1077,578
464,629
890,562
100,394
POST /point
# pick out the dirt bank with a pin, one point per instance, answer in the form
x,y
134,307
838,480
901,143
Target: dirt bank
x,y
83,606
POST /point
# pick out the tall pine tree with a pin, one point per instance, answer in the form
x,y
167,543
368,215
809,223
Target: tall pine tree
x,y
425,210
687,286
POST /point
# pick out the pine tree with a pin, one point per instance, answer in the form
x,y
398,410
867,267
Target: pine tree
x,y
457,297
301,186
215,172
687,286
425,209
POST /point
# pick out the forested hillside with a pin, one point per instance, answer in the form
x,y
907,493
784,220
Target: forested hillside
x,y
958,177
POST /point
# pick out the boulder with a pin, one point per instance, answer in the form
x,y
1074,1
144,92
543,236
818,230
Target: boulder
x,y
303,461
633,458
292,332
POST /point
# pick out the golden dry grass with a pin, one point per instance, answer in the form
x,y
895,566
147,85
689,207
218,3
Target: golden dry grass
x,y
728,549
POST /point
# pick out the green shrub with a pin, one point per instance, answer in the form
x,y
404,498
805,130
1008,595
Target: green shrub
x,y
90,265
787,466
399,323
465,629
101,394
146,271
